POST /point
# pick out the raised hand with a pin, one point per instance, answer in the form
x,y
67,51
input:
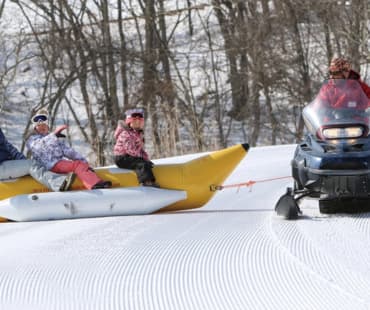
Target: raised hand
x,y
58,131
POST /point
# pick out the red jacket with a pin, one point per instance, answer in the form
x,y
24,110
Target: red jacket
x,y
356,76
346,93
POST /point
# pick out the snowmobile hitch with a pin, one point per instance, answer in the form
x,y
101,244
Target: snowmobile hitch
x,y
287,205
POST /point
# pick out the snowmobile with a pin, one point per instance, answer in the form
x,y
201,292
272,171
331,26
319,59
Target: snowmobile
x,y
332,163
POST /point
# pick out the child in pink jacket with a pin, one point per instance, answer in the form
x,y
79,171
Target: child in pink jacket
x,y
129,150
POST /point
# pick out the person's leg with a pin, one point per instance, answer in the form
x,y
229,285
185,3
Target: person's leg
x,y
11,169
125,161
53,181
144,172
87,177
143,168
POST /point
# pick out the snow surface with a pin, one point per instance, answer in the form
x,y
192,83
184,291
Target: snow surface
x,y
234,253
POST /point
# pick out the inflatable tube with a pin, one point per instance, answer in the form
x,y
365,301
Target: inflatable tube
x,y
195,177
92,203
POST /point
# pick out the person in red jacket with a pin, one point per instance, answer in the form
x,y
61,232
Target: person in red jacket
x,y
340,68
344,89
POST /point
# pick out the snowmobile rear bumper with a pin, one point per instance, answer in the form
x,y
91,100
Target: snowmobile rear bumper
x,y
344,205
327,172
341,186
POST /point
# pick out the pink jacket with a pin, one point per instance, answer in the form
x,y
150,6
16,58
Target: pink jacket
x,y
129,142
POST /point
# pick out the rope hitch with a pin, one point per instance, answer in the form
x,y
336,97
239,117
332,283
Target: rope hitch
x,y
249,183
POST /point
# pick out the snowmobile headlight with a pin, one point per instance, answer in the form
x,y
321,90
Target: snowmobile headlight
x,y
341,133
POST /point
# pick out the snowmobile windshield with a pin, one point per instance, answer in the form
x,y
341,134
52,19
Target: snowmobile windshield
x,y
339,111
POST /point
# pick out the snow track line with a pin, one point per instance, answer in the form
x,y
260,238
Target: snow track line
x,y
277,285
302,250
362,222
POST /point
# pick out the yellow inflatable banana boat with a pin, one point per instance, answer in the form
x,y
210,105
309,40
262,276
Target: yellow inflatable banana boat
x,y
191,184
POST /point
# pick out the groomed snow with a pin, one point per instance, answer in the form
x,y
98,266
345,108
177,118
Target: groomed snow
x,y
234,253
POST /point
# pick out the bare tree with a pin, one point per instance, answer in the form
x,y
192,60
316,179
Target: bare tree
x,y
205,72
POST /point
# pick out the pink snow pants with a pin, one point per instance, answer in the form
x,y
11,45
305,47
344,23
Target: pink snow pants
x,y
81,168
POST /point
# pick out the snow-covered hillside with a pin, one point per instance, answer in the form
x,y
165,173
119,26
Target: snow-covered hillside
x,y
234,253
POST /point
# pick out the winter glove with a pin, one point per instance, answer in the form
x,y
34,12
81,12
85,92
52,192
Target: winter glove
x,y
58,131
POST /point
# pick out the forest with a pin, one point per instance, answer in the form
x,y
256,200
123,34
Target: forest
x,y
209,73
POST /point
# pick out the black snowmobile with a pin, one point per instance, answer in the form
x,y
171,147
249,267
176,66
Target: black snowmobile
x,y
333,162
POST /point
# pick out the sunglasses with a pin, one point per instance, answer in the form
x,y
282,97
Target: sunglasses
x,y
41,118
137,115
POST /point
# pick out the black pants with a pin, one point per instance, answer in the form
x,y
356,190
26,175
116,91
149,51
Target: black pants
x,y
142,167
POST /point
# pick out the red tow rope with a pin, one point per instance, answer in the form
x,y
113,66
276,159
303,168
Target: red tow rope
x,y
249,183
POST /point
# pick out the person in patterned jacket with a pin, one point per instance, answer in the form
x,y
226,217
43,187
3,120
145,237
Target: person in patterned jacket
x,y
56,156
13,164
129,150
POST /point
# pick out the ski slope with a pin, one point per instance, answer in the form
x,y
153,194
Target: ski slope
x,y
234,253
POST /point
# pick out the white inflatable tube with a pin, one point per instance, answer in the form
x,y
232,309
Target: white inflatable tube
x,y
88,203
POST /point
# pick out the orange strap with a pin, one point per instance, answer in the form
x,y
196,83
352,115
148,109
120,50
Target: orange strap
x,y
249,183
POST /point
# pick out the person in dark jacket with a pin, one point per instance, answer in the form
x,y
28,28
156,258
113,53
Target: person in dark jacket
x,y
7,150
129,150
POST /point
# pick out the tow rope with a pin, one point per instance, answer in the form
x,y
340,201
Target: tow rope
x,y
249,183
